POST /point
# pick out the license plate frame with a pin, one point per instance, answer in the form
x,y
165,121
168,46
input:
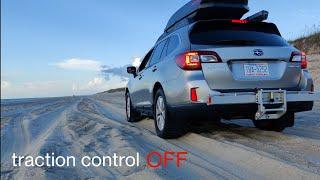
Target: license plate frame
x,y
256,69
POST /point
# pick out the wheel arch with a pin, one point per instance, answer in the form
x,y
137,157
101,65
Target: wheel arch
x,y
156,87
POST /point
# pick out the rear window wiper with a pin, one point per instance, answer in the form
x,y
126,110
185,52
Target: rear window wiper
x,y
235,42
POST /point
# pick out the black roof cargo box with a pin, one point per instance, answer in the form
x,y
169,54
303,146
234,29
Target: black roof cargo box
x,y
209,9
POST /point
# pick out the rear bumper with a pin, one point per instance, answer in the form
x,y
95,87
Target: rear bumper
x,y
241,105
231,111
250,97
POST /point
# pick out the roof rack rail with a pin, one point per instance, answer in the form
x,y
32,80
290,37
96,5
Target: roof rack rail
x,y
258,17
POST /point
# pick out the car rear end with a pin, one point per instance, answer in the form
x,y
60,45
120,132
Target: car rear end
x,y
248,70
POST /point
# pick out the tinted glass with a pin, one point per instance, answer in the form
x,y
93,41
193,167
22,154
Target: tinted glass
x,y
173,44
156,56
251,34
145,60
164,52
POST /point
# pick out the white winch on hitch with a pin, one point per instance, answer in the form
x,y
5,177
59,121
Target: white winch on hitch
x,y
272,104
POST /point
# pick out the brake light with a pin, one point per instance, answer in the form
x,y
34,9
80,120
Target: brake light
x,y
193,94
300,57
192,60
239,21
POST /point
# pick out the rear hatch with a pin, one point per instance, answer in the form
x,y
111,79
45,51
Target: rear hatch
x,y
254,56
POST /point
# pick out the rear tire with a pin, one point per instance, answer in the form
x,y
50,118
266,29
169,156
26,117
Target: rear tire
x,y
166,124
277,125
132,114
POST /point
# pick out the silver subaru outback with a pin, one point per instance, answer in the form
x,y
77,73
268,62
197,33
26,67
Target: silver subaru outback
x,y
216,69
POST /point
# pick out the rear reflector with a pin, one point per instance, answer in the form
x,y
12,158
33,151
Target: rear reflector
x,y
304,62
300,57
193,94
192,60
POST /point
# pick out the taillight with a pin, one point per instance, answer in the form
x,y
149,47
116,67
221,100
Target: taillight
x,y
300,57
192,60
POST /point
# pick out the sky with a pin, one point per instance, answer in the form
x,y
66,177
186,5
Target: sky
x,y
55,48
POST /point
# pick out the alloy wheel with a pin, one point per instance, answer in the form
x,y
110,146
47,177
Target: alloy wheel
x,y
160,113
128,108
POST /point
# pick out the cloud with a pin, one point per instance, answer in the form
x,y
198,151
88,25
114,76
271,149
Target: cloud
x,y
116,71
33,89
106,77
40,85
74,88
5,87
119,71
136,62
96,82
80,64
5,84
93,85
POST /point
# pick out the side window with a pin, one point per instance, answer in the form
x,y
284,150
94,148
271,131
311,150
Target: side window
x,y
156,56
145,61
173,44
164,52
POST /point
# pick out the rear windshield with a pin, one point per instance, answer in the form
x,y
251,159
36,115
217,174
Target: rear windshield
x,y
234,34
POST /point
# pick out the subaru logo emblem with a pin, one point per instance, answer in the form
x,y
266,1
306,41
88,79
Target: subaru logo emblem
x,y
258,52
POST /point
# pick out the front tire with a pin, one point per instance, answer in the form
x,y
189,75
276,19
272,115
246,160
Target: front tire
x,y
166,124
277,125
131,113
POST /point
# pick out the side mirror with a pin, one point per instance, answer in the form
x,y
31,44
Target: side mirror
x,y
132,70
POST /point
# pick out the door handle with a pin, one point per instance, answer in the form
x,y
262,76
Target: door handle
x,y
154,69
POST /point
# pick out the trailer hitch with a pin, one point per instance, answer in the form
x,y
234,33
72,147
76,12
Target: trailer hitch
x,y
272,104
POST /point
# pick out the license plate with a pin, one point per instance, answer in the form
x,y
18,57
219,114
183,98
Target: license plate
x,y
256,69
